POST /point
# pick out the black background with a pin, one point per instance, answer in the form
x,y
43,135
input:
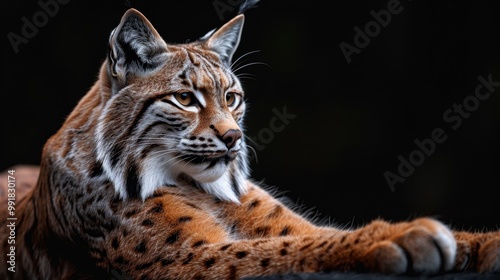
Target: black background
x,y
352,120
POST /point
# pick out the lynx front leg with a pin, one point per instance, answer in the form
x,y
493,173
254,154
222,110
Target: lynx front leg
x,y
423,246
177,236
172,236
261,215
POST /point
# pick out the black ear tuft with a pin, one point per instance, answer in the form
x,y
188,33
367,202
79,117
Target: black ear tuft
x,y
135,47
247,4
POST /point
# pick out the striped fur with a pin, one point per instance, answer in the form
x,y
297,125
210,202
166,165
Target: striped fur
x,y
147,179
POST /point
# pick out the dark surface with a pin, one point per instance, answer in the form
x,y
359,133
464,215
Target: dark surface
x,y
352,120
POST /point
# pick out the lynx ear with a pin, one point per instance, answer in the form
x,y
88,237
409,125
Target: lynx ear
x,y
135,47
225,40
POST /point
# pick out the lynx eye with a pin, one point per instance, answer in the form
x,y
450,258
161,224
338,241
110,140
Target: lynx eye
x,y
231,98
185,98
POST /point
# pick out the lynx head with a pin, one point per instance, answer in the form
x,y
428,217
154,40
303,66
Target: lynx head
x,y
174,112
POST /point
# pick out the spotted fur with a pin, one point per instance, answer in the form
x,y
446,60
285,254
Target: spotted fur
x,y
148,179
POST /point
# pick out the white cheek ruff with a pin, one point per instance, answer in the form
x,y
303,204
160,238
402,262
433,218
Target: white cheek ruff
x,y
228,187
156,173
201,174
103,155
225,182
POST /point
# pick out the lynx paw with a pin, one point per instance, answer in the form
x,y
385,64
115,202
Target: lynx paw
x,y
423,246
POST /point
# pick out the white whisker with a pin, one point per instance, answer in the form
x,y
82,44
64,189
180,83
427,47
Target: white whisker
x,y
242,56
250,64
254,153
245,76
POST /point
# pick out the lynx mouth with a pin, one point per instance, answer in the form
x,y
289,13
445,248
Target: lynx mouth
x,y
206,168
210,159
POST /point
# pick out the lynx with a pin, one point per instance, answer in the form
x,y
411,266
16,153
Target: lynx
x,y
148,177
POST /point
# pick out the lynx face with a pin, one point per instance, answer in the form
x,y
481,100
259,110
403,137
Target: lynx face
x,y
174,114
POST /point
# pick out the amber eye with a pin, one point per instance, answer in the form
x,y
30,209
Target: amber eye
x,y
185,98
230,98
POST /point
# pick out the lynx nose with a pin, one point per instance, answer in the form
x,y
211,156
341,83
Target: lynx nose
x,y
230,137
